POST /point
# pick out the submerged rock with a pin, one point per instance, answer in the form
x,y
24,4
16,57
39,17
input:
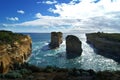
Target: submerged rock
x,y
14,49
73,46
56,40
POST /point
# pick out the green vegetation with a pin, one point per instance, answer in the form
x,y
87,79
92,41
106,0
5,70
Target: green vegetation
x,y
108,36
106,44
13,74
31,72
8,37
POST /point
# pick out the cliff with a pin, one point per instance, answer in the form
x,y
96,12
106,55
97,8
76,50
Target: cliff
x,y
106,44
14,49
56,40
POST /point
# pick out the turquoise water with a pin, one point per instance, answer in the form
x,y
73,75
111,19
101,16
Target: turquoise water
x,y
42,56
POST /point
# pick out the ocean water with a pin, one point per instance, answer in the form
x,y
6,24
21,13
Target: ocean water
x,y
42,56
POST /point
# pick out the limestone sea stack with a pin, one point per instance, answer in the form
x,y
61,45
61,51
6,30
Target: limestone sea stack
x,y
14,49
73,46
56,40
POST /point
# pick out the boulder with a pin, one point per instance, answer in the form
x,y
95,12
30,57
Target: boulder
x,y
56,40
14,48
73,46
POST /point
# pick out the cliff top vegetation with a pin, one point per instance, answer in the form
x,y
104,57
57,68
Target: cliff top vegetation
x,y
8,37
107,36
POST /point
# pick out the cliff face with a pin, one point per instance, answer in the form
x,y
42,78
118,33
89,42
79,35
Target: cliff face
x,y
107,45
73,46
56,39
14,52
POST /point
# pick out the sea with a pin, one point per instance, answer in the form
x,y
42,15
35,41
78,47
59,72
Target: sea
x,y
42,56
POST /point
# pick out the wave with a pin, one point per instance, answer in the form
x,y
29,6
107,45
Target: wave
x,y
43,56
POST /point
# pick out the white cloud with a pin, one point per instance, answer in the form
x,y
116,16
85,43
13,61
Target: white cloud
x,y
12,18
86,8
101,23
48,23
50,2
38,15
20,11
85,15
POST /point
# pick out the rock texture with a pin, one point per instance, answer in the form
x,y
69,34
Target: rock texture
x,y
16,51
56,40
31,72
73,46
106,44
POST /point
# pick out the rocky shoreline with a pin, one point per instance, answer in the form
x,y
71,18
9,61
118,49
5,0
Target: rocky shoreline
x,y
16,48
31,72
106,44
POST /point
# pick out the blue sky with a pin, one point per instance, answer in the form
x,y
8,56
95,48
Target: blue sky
x,y
59,15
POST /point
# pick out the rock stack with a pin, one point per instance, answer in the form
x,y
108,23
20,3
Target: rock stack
x,y
73,46
56,40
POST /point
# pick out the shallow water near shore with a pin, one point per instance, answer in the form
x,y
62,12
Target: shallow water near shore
x,y
42,56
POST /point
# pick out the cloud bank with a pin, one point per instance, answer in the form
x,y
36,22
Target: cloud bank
x,y
86,8
78,15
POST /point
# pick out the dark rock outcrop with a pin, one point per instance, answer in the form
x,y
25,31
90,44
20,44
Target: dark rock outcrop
x,y
15,51
31,72
73,46
56,40
107,45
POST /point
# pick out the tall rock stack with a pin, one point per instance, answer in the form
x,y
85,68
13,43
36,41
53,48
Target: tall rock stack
x,y
14,49
73,46
56,40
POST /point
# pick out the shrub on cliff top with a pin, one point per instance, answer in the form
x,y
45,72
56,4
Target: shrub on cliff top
x,y
8,37
108,36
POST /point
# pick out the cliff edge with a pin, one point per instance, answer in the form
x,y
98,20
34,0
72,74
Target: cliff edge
x,y
14,49
106,44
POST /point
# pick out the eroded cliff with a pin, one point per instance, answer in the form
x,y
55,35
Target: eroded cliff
x,y
14,49
106,44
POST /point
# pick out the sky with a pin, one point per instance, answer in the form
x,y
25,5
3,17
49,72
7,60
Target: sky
x,y
60,15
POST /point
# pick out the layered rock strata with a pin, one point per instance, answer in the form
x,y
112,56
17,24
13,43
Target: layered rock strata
x,y
15,51
106,44
56,40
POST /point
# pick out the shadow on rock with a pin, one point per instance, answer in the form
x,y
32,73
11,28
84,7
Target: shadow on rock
x,y
107,55
71,56
73,47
